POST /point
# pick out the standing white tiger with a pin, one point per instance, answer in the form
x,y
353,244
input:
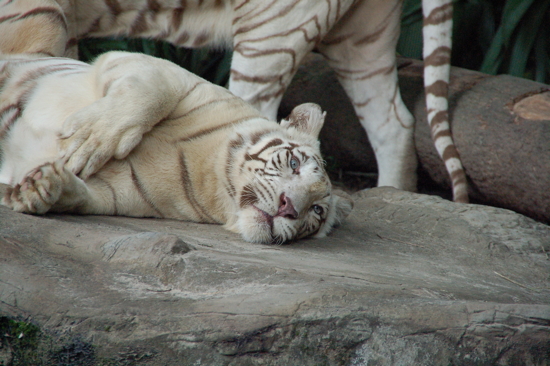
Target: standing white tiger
x,y
269,39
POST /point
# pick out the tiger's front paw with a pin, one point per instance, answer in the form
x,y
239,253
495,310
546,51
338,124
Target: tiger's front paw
x,y
38,191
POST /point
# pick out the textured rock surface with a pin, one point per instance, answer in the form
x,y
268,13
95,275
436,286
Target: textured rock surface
x,y
408,279
501,127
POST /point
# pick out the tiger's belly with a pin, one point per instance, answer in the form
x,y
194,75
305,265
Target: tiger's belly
x,y
32,139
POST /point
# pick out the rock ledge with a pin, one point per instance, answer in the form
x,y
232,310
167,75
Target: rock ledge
x,y
408,279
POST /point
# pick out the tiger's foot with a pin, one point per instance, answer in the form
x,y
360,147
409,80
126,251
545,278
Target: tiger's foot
x,y
39,190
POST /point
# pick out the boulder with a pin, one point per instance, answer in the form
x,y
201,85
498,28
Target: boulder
x,y
407,279
500,124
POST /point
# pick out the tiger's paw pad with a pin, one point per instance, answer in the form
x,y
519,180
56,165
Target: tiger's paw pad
x,y
38,191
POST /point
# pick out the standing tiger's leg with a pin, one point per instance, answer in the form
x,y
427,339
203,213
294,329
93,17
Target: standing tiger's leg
x,y
33,26
270,40
361,49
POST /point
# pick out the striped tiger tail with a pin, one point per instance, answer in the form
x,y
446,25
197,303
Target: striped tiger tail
x,y
437,31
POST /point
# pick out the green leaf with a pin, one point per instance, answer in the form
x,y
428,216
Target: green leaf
x,y
527,32
412,12
149,47
513,12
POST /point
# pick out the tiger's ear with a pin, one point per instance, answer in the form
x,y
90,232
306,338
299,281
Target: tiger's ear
x,y
307,117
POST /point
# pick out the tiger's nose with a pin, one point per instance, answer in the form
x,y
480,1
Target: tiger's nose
x,y
286,209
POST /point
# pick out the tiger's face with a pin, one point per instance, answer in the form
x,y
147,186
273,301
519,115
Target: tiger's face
x,y
285,192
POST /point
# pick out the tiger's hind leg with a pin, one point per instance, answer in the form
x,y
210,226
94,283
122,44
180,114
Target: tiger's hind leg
x,y
361,49
49,187
52,187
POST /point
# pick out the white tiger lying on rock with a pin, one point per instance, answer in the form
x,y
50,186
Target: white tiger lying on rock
x,y
183,148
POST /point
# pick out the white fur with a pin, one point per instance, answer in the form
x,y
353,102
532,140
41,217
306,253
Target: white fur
x,y
138,136
269,40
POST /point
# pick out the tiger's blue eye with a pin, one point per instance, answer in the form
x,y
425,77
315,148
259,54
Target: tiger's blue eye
x,y
294,164
318,209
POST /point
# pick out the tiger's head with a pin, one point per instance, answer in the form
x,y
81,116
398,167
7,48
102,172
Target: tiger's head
x,y
283,191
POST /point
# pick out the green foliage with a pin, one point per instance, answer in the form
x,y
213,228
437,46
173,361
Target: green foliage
x,y
211,64
492,36
520,46
20,341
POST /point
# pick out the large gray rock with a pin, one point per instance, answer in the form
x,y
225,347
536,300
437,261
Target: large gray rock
x,y
407,279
